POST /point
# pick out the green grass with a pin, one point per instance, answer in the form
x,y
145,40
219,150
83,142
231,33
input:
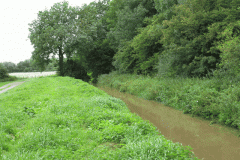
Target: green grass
x,y
4,83
5,87
64,118
214,99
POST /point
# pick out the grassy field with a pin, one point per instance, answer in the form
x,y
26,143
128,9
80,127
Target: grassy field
x,y
32,74
64,118
21,76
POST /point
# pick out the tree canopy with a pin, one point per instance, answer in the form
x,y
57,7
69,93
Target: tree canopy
x,y
53,31
164,37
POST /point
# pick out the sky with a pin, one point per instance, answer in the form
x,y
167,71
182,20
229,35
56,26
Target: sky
x,y
15,16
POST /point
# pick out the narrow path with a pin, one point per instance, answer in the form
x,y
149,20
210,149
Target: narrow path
x,y
208,142
12,85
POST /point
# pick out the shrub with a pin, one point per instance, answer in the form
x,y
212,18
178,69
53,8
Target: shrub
x,y
73,69
3,72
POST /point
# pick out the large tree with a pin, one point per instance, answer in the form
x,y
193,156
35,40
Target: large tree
x,y
53,32
10,66
95,55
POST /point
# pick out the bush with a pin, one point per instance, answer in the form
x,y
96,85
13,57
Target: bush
x,y
3,72
230,50
10,78
73,69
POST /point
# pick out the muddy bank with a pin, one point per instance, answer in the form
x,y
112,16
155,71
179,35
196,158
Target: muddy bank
x,y
214,142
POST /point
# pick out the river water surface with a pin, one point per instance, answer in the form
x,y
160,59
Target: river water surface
x,y
213,142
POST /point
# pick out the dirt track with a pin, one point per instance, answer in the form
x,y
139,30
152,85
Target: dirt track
x,y
12,85
214,142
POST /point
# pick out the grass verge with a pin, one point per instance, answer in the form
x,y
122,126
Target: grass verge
x,y
65,118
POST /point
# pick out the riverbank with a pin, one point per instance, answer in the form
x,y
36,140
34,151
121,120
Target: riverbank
x,y
217,100
214,142
64,118
209,136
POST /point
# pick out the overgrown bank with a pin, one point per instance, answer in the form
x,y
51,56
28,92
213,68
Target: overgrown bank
x,y
65,118
213,99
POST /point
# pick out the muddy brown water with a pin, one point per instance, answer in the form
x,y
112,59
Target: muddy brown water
x,y
215,142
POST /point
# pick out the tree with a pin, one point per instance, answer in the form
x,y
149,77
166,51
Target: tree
x,y
10,67
140,53
99,61
53,32
24,66
191,36
124,17
97,58
74,69
3,72
230,47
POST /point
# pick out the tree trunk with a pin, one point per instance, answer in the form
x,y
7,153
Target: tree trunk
x,y
61,61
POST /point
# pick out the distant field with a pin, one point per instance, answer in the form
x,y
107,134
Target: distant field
x,y
32,74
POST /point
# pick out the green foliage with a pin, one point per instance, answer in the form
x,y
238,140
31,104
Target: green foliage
x,y
10,78
180,41
124,60
146,45
99,60
141,54
3,72
214,99
128,21
111,13
95,57
52,32
72,68
188,36
29,65
164,37
125,18
229,47
165,64
79,121
10,67
165,7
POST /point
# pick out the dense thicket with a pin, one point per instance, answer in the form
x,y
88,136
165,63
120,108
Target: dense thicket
x,y
182,38
3,72
152,37
191,36
72,68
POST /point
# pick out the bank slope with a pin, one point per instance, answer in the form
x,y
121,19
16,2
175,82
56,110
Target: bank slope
x,y
65,118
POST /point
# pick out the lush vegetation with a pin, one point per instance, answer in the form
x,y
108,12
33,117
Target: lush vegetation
x,y
29,65
3,72
4,76
189,48
182,53
64,118
186,38
215,99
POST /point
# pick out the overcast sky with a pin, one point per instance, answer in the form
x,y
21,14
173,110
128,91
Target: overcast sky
x,y
14,18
